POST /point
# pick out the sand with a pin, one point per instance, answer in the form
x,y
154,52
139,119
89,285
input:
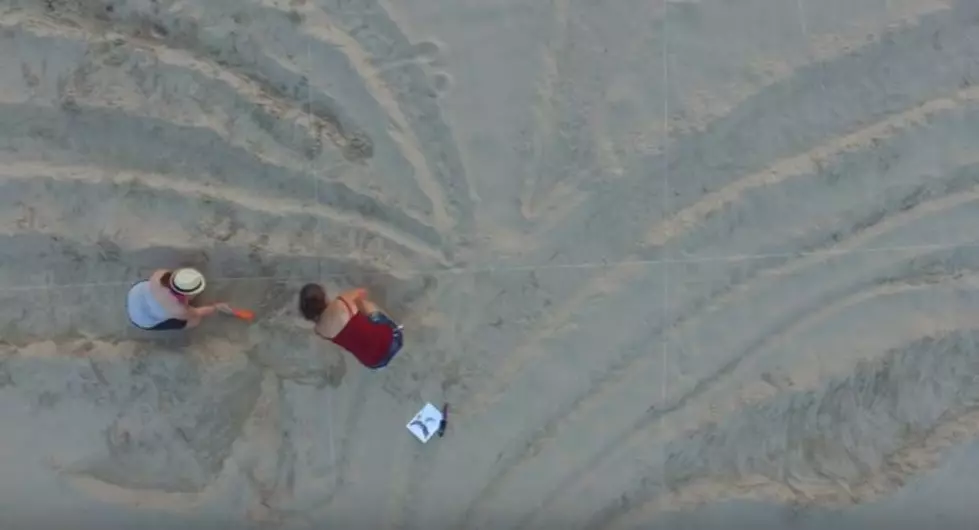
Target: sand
x,y
673,264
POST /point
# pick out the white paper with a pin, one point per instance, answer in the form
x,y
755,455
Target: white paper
x,y
426,423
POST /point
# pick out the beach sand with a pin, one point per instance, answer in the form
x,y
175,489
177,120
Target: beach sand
x,y
673,264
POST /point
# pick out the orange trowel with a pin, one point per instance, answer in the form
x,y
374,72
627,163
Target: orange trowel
x,y
243,314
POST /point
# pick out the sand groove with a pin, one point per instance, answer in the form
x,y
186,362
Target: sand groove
x,y
907,211
808,464
317,23
554,53
409,94
778,172
173,31
273,210
119,147
220,92
269,106
915,272
806,164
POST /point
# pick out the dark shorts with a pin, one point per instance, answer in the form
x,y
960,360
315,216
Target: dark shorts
x,y
397,337
167,325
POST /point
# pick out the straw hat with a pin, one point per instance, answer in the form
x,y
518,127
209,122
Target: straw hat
x,y
187,281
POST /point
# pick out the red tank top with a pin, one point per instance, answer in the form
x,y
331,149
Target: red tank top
x,y
367,341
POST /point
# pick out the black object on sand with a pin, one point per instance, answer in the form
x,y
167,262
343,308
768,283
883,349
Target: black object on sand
x,y
445,420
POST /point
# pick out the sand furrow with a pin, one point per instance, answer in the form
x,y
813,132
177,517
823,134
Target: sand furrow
x,y
250,71
911,272
809,108
619,275
299,483
128,72
316,42
178,27
573,148
316,36
922,454
805,164
921,202
606,283
707,399
254,434
195,474
263,434
325,505
409,93
839,465
125,184
268,105
552,55
792,167
155,146
937,196
171,434
178,502
713,88
319,26
834,100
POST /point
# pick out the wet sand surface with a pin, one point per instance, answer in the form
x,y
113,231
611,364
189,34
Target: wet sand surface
x,y
673,264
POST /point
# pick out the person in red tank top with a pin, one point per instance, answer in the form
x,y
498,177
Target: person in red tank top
x,y
354,323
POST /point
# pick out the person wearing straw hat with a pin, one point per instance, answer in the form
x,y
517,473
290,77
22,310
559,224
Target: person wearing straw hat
x,y
354,323
162,302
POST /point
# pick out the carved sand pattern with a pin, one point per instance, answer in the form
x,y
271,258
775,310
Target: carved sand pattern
x,y
741,274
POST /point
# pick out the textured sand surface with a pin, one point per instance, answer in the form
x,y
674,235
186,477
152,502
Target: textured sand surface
x,y
674,264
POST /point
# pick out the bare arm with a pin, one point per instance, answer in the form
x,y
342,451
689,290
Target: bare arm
x,y
202,311
366,307
196,314
354,294
358,298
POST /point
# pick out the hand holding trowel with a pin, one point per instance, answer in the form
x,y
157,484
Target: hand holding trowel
x,y
243,314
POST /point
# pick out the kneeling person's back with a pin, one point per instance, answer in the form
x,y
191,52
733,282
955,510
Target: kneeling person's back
x,y
354,323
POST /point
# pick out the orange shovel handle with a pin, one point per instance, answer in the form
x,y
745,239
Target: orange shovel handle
x,y
243,314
